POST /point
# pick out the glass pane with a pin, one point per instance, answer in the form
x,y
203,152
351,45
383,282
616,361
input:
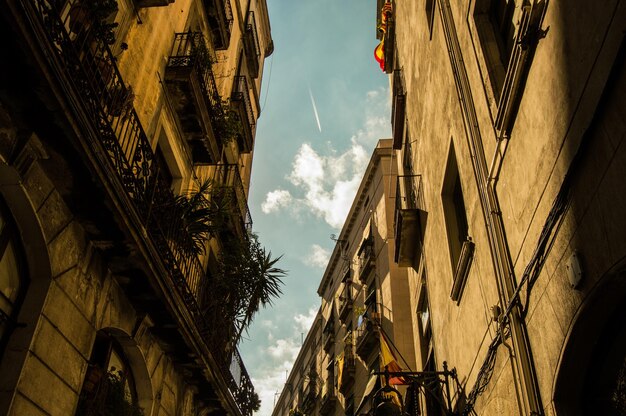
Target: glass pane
x,y
9,277
115,363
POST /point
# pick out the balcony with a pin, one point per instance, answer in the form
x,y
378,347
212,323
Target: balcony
x,y
220,16
345,301
114,145
367,259
241,105
251,46
230,194
398,109
191,88
349,369
410,220
329,335
368,332
310,394
329,398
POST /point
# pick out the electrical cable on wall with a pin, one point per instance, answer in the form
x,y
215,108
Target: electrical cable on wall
x,y
269,80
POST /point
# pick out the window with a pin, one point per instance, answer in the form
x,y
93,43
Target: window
x,y
430,15
168,158
454,209
432,400
109,384
407,157
164,172
12,273
495,22
425,330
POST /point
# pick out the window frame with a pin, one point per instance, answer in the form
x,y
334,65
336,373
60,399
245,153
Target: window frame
x,y
9,234
455,216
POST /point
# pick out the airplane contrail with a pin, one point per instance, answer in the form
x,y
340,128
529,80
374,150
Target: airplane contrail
x,y
317,117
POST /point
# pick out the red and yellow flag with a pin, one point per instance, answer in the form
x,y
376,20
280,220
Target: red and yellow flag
x,y
388,359
379,52
379,55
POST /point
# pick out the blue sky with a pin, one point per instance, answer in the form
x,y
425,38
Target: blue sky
x,y
305,173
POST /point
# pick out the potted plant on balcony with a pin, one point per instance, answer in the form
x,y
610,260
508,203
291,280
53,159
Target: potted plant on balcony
x,y
108,397
244,280
94,14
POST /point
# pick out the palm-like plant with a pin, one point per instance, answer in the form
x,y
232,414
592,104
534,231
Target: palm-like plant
x,y
264,284
197,216
246,280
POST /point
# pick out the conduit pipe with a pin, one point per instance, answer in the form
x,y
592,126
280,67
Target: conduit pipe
x,y
526,384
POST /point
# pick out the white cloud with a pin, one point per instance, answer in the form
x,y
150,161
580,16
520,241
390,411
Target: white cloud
x,y
280,356
327,182
305,321
284,349
274,200
318,258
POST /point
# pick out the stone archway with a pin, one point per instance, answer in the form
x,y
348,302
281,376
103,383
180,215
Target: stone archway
x,y
114,350
593,358
38,273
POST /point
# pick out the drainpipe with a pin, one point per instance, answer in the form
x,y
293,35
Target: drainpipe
x,y
525,378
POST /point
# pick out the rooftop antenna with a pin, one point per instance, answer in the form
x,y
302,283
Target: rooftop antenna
x,y
340,242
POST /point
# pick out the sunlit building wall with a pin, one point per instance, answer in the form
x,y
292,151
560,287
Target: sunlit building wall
x,y
110,111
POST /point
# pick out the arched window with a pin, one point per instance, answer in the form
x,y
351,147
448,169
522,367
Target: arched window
x,y
109,386
13,278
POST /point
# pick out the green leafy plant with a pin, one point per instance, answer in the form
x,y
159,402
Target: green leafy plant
x,y
109,399
197,216
101,12
247,279
96,15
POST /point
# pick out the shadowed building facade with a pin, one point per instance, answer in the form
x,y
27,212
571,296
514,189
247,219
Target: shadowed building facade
x,y
511,113
112,114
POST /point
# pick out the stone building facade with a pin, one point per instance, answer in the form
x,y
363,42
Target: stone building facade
x,y
364,294
108,111
511,113
508,136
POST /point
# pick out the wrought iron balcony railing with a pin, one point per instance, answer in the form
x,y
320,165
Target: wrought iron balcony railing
x,y
398,109
410,220
251,46
345,301
367,333
329,335
228,188
102,104
367,259
241,104
220,16
191,83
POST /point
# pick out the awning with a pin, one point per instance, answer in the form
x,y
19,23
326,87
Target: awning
x,y
371,384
